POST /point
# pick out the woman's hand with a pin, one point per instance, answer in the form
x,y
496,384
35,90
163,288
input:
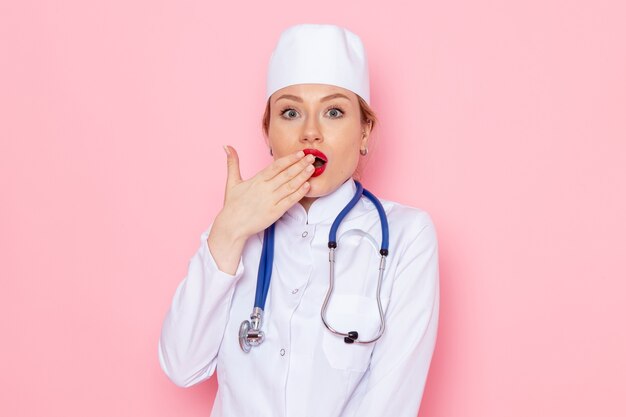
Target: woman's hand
x,y
252,205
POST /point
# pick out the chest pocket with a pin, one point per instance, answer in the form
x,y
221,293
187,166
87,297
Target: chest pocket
x,y
347,312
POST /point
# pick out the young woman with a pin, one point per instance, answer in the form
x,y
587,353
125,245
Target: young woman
x,y
362,349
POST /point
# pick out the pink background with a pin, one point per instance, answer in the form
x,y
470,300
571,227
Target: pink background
x,y
504,120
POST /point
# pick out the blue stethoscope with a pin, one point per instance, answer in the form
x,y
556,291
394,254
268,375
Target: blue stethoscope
x,y
250,333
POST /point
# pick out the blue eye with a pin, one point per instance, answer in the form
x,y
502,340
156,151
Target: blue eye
x,y
335,113
290,112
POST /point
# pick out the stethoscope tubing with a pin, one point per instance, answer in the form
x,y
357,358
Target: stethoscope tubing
x,y
352,336
265,267
384,246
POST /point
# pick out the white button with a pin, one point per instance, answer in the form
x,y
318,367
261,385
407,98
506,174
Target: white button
x,y
305,233
294,291
282,352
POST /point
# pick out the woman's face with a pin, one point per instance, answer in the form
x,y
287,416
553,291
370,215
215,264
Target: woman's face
x,y
321,117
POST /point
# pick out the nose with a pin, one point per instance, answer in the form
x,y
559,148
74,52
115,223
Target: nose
x,y
311,131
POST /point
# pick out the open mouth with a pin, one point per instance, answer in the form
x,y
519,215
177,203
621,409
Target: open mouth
x,y
320,160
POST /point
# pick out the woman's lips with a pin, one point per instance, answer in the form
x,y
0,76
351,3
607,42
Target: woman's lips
x,y
320,155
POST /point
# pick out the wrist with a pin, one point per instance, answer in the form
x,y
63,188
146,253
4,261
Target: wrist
x,y
228,229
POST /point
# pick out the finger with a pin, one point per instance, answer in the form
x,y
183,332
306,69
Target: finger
x,y
293,184
291,172
232,164
279,165
291,199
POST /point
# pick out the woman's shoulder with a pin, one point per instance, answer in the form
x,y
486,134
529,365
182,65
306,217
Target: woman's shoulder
x,y
411,230
407,221
405,214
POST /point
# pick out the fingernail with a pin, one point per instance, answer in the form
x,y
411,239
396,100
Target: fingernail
x,y
226,150
300,154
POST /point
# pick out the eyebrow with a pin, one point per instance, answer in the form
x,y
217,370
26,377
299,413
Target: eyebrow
x,y
299,100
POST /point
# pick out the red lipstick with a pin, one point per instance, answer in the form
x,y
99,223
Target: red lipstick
x,y
320,160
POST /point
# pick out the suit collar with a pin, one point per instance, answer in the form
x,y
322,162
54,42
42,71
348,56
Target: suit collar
x,y
325,208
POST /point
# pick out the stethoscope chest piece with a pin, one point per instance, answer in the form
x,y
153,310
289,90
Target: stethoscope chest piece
x,y
250,333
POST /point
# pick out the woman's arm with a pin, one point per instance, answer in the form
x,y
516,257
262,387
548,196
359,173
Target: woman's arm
x,y
194,326
401,358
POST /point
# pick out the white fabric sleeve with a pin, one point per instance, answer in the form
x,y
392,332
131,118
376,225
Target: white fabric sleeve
x,y
401,358
194,326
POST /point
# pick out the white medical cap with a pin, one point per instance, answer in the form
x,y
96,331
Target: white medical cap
x,y
319,54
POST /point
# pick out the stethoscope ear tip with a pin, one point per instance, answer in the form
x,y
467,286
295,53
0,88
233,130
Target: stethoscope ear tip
x,y
352,337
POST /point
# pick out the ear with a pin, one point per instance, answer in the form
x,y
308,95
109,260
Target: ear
x,y
266,138
266,116
366,129
269,146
